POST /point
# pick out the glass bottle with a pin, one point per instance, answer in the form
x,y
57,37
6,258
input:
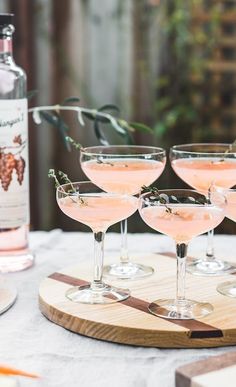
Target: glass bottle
x,y
14,165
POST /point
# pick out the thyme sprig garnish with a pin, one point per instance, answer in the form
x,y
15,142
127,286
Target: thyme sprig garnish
x,y
100,161
166,200
78,146
52,175
72,142
163,199
230,149
65,180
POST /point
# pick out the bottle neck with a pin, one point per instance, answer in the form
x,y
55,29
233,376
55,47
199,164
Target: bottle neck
x,y
6,46
6,33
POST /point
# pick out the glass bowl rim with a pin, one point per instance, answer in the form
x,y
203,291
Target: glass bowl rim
x,y
59,189
142,197
159,150
175,149
83,182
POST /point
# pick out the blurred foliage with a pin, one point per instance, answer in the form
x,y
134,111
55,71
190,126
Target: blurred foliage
x,y
182,87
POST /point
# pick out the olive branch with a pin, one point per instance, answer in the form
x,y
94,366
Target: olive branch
x,y
52,115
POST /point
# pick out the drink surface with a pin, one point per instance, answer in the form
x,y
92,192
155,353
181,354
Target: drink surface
x,y
125,176
98,211
202,173
184,222
231,205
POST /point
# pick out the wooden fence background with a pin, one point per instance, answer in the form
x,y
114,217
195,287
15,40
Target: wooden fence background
x,y
106,51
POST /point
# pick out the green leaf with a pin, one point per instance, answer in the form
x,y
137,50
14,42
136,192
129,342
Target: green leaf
x,y
70,100
141,127
55,120
98,119
63,128
50,118
109,107
90,116
129,139
94,116
75,144
126,132
99,133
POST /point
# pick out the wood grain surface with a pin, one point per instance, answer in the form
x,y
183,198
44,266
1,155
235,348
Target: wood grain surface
x,y
129,321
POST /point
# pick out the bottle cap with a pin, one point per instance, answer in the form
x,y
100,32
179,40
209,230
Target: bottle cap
x,y
6,18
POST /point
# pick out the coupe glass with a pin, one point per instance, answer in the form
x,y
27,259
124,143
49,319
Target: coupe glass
x,y
124,170
205,166
228,288
88,204
182,215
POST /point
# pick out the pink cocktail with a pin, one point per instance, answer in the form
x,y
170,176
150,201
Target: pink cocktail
x,y
204,167
203,173
125,176
231,204
88,204
123,169
229,288
185,222
98,211
182,215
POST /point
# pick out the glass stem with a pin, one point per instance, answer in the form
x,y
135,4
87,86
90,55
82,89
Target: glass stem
x,y
97,283
210,255
124,257
181,253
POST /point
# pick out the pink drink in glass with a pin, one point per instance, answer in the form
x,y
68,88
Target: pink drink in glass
x,y
228,288
88,204
231,205
98,211
124,175
202,173
204,166
182,215
184,222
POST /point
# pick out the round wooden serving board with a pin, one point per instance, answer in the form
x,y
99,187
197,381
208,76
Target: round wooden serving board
x,y
129,322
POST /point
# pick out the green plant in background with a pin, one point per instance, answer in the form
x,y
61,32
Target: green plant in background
x,y
182,86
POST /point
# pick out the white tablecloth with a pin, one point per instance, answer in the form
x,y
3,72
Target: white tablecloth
x,y
31,342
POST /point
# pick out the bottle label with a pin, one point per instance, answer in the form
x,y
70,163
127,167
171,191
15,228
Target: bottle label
x,y
14,180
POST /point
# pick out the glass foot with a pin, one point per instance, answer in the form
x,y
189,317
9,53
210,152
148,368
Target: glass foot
x,y
125,271
185,310
227,288
210,268
106,295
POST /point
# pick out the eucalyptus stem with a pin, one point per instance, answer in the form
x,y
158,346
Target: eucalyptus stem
x,y
114,122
